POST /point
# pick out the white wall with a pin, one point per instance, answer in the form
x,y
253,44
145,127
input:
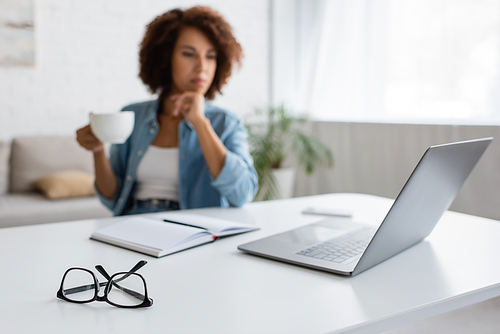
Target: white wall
x,y
87,59
377,158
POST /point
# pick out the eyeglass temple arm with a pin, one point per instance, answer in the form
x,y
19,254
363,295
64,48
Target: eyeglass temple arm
x,y
92,287
133,293
138,266
83,288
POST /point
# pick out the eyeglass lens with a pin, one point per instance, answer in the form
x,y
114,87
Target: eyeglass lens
x,y
130,291
79,285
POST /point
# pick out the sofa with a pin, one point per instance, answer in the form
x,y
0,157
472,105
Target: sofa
x,y
27,159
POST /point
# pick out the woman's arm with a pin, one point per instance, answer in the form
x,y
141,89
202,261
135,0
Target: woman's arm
x,y
230,163
237,180
191,105
213,149
105,178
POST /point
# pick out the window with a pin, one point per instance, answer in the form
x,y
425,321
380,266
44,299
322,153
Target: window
x,y
443,59
399,60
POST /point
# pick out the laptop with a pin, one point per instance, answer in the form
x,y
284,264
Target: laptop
x,y
351,247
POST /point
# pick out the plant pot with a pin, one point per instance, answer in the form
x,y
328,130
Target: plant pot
x,y
285,181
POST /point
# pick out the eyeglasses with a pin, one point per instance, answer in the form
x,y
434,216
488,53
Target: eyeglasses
x,y
123,289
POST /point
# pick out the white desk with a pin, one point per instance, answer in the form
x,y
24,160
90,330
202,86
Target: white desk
x,y
215,288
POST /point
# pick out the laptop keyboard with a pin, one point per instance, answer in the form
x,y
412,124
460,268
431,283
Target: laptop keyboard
x,y
340,249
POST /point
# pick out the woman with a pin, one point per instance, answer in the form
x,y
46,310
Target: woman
x,y
183,152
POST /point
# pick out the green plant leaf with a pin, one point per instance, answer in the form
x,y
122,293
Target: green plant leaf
x,y
271,135
311,153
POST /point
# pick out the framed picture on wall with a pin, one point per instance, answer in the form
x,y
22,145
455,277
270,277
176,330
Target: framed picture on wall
x,y
17,40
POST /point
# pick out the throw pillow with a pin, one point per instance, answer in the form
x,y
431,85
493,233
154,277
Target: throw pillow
x,y
66,184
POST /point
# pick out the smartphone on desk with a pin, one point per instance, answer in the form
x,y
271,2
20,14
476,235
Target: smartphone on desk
x,y
327,212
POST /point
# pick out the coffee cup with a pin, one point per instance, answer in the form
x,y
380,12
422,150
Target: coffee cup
x,y
112,128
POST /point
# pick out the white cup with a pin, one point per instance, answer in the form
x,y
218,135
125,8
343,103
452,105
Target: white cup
x,y
112,128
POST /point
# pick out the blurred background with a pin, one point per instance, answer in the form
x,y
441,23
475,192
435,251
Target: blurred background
x,y
381,80
425,61
85,58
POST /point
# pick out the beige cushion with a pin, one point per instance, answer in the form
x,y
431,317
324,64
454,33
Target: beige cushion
x,y
36,157
4,167
66,184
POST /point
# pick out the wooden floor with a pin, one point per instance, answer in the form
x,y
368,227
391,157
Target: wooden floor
x,y
477,319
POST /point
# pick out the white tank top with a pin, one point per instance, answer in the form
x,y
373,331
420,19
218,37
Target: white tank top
x,y
158,174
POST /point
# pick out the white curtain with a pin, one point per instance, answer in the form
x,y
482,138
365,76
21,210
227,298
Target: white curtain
x,y
341,58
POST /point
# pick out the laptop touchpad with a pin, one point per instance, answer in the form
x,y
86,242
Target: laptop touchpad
x,y
310,234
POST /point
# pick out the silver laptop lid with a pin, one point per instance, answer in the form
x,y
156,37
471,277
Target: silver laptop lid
x,y
427,194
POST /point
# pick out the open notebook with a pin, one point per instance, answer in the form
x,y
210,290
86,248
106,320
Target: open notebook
x,y
168,232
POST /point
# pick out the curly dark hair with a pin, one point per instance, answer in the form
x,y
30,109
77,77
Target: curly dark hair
x,y
157,46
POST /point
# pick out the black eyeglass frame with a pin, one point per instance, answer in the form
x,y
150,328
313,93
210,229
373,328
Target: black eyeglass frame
x,y
111,281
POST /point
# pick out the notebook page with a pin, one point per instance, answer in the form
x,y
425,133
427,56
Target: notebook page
x,y
148,232
215,225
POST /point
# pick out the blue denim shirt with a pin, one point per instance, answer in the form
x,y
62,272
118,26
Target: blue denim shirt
x,y
235,185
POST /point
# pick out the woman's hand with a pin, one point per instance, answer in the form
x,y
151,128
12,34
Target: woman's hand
x,y
191,105
88,140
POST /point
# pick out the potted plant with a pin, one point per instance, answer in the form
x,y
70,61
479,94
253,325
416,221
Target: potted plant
x,y
272,134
